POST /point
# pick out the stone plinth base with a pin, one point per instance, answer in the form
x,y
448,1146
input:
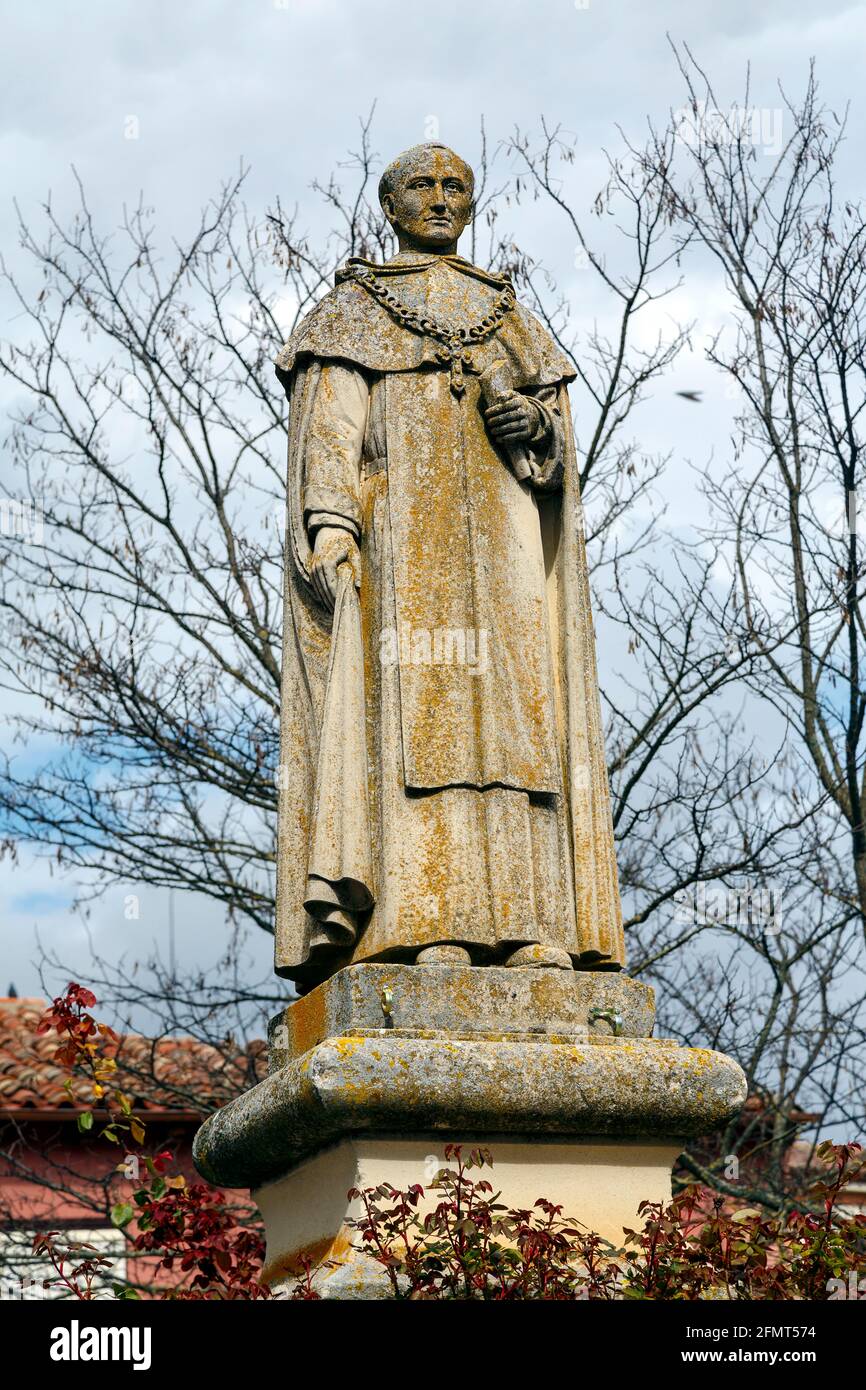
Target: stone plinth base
x,y
305,1213
374,1071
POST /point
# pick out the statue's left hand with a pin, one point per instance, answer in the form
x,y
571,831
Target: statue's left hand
x,y
511,421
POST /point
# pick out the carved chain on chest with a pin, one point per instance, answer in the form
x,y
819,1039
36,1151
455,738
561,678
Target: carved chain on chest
x,y
456,342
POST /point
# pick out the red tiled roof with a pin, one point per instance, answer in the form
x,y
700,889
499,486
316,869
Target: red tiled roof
x,y
177,1077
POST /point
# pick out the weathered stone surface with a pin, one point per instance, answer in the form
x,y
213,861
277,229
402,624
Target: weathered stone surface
x,y
629,1087
442,776
461,1001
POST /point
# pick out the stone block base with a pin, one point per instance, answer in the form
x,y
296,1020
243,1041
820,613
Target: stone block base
x,y
600,1185
376,1070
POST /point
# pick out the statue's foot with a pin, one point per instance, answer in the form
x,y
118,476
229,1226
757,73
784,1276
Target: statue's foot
x,y
551,956
443,955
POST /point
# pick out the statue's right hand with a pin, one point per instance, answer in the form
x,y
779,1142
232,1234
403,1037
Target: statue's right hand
x,y
332,547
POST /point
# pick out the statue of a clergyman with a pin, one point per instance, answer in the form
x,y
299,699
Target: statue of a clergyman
x,y
443,789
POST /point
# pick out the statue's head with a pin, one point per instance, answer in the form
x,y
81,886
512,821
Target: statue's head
x,y
427,195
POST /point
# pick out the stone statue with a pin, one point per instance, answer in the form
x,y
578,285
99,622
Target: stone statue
x,y
443,792
443,788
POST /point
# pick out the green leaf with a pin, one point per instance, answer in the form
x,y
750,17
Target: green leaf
x,y
85,1121
122,1214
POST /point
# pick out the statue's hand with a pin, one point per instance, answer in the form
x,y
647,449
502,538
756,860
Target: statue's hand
x,y
332,547
511,421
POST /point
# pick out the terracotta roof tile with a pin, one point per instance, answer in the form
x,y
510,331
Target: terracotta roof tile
x,y
163,1075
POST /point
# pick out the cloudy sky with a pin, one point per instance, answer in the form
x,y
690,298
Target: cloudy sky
x,y
164,99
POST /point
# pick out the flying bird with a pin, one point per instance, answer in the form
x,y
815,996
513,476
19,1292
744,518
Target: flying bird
x,y
691,395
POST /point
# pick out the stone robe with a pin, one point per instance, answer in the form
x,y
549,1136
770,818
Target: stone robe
x,y
442,774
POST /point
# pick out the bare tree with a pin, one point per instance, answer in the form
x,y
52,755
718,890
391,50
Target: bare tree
x,y
783,520
793,257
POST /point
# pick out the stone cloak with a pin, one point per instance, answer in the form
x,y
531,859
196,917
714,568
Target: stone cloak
x,y
350,326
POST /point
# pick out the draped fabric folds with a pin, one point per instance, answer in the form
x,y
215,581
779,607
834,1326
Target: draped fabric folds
x,y
428,800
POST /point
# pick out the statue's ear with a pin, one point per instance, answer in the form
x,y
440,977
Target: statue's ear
x,y
470,216
388,206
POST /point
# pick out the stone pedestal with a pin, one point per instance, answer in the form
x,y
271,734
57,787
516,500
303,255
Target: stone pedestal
x,y
376,1070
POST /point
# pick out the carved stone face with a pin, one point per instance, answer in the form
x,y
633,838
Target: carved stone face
x,y
430,202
